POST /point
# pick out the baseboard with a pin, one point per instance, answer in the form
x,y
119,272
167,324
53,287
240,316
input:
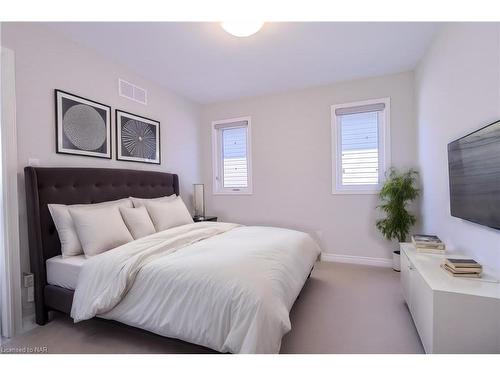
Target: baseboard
x,y
379,262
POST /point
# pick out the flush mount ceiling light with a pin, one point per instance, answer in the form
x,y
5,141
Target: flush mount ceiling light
x,y
242,28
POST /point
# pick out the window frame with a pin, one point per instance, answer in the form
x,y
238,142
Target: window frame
x,y
384,147
218,188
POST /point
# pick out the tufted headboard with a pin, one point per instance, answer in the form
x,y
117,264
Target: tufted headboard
x,y
79,185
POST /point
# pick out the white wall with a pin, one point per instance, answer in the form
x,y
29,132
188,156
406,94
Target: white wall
x,y
292,162
457,91
46,61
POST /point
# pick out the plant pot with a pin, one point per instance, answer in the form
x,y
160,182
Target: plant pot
x,y
396,263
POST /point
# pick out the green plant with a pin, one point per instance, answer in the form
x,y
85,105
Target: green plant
x,y
399,189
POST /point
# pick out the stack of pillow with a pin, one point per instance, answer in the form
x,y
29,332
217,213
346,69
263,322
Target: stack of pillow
x,y
91,229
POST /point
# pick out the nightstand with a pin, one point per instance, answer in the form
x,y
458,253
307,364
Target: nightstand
x,y
198,219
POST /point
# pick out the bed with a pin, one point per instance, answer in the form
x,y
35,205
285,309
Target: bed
x,y
220,285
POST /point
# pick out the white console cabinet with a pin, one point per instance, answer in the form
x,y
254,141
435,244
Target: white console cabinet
x,y
452,315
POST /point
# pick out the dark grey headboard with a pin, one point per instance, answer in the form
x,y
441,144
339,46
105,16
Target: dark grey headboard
x,y
79,185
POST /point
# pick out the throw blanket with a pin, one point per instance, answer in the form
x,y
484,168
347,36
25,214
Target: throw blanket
x,y
220,285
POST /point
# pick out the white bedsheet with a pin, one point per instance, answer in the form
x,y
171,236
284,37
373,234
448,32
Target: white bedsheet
x,y
223,286
64,272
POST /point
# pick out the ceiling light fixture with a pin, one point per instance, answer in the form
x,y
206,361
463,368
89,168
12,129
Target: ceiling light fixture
x,y
242,28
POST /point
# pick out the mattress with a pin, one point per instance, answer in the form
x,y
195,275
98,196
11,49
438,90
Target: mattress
x,y
64,272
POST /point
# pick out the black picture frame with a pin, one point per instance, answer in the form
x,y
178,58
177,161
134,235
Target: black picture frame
x,y
146,126
69,140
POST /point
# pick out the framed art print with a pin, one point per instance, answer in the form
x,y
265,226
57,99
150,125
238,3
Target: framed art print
x,y
137,138
83,126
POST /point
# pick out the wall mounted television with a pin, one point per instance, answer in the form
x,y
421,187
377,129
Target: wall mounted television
x,y
474,169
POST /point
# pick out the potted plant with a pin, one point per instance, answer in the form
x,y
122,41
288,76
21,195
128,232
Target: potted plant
x,y
398,190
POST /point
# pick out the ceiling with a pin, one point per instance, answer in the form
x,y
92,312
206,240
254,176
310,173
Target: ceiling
x,y
202,62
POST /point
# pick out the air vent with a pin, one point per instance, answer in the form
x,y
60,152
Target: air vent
x,y
132,92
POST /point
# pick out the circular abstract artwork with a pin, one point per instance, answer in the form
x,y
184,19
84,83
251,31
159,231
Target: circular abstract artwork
x,y
84,127
139,139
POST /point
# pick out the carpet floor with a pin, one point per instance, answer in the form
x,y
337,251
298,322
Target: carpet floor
x,y
343,308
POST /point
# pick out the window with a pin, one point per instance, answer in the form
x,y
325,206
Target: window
x,y
361,146
232,156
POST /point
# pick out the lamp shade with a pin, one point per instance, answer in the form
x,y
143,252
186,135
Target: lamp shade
x,y
199,200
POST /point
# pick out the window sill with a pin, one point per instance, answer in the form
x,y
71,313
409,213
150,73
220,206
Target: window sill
x,y
232,193
356,192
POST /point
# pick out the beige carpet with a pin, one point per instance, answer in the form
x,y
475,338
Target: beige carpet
x,y
342,309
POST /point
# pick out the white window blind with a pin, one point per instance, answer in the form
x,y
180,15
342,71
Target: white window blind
x,y
359,144
359,134
232,156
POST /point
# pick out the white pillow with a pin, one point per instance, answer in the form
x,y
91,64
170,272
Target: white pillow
x,y
168,214
100,229
138,202
137,221
70,244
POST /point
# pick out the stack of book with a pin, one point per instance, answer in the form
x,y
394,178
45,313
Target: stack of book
x,y
462,267
425,243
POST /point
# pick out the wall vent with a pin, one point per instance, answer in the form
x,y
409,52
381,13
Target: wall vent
x,y
132,92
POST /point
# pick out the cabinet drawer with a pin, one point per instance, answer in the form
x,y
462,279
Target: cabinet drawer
x,y
422,309
405,275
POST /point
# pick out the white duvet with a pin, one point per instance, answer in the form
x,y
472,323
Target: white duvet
x,y
219,285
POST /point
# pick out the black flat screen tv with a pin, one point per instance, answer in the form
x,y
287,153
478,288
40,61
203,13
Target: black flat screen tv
x,y
474,169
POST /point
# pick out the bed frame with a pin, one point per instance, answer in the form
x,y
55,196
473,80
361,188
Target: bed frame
x,y
76,186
